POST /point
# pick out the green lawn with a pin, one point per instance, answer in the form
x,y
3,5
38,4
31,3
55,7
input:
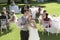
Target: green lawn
x,y
14,33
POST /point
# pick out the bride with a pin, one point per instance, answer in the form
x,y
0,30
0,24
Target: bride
x,y
33,32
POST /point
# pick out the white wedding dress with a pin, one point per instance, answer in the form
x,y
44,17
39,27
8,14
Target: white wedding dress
x,y
33,33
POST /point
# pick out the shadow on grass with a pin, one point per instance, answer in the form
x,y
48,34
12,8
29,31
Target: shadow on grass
x,y
4,32
45,36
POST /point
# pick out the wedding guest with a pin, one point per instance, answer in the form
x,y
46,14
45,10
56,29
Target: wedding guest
x,y
42,17
6,14
14,7
46,21
13,16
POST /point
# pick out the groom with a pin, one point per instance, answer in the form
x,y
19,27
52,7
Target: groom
x,y
24,26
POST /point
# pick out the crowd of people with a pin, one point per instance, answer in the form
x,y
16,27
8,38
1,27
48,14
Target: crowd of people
x,y
28,26
27,23
9,17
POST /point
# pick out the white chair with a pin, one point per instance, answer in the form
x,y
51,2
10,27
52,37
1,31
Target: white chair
x,y
46,28
55,27
3,24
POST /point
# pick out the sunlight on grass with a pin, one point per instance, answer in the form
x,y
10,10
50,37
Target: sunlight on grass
x,y
14,34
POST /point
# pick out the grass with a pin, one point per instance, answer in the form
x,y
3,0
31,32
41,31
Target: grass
x,y
14,33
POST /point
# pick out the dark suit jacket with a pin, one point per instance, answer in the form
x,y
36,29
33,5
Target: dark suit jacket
x,y
4,15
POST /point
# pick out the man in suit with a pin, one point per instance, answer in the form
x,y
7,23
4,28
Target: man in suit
x,y
23,24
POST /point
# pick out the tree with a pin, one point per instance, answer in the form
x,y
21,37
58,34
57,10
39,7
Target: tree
x,y
22,1
29,1
8,2
25,1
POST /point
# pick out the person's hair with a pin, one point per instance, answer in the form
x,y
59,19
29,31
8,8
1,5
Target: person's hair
x,y
44,11
4,8
46,15
25,11
27,7
22,10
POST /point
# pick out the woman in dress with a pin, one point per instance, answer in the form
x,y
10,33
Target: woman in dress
x,y
46,21
33,32
13,17
42,17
